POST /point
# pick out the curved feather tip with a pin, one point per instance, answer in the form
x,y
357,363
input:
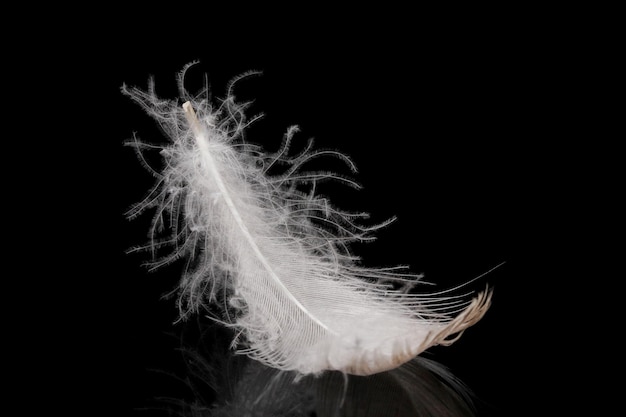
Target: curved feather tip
x,y
273,256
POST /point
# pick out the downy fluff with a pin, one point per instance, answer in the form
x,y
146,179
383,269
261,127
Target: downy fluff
x,y
272,256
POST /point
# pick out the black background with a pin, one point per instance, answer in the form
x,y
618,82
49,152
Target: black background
x,y
461,129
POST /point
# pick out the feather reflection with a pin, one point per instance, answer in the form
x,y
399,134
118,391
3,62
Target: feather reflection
x,y
224,384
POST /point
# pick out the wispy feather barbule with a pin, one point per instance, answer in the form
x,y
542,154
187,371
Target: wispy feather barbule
x,y
272,255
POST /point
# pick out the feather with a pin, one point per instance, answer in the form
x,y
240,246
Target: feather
x,y
274,255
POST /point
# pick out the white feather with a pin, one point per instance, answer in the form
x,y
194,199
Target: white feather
x,y
274,254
